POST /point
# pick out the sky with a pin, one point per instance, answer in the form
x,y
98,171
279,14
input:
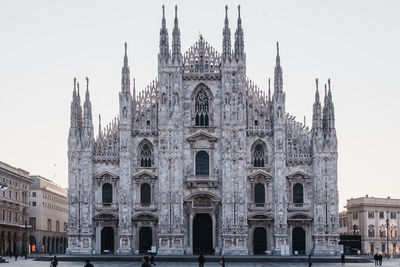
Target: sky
x,y
45,44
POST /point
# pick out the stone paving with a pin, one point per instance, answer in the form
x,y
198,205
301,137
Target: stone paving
x,y
31,263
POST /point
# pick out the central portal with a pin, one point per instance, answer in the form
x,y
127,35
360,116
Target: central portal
x,y
202,234
107,240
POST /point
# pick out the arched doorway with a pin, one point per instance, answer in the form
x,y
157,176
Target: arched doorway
x,y
107,240
299,240
145,239
202,234
259,241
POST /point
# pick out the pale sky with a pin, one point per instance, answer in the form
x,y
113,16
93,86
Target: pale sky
x,y
45,44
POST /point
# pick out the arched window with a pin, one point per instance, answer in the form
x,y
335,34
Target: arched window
x,y
107,193
259,193
202,109
297,193
145,194
145,155
258,158
202,163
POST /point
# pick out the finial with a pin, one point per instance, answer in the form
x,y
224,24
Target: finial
x,y
87,83
316,83
325,90
329,84
277,47
269,83
74,83
176,11
304,120
226,11
163,11
126,47
239,10
77,85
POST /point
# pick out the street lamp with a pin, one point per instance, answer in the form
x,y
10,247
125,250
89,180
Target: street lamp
x,y
387,226
354,229
3,188
26,228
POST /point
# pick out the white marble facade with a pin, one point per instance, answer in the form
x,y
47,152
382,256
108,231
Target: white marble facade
x,y
203,160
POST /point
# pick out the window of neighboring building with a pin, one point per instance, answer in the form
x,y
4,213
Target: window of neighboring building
x,y
383,248
202,163
393,232
297,193
355,215
371,231
393,215
382,233
9,216
34,203
32,222
65,226
48,224
370,214
372,248
145,193
259,193
381,215
57,226
33,194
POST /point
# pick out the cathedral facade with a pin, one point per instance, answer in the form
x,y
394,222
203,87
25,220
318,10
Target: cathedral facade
x,y
203,161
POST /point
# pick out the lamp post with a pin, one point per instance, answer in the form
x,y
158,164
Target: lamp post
x,y
387,226
354,229
26,228
3,188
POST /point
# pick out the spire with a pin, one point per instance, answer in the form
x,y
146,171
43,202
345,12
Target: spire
x,y
99,127
317,119
125,73
278,82
79,108
87,112
239,42
331,109
74,108
226,39
164,45
269,89
176,40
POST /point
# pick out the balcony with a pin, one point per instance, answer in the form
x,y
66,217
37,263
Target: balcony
x,y
110,207
145,207
259,130
259,206
298,207
201,181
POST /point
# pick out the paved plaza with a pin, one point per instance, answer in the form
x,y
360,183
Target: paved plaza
x,y
31,263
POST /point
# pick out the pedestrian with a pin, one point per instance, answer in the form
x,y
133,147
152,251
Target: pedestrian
x,y
88,264
55,261
222,261
380,259
145,261
342,259
376,257
152,259
16,256
202,260
309,260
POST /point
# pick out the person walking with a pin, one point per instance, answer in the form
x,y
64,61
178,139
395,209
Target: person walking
x,y
54,261
152,259
309,260
376,259
202,260
380,259
222,261
342,259
145,261
88,264
16,256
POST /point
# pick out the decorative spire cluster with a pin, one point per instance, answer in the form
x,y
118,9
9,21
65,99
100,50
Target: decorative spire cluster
x,y
164,43
324,122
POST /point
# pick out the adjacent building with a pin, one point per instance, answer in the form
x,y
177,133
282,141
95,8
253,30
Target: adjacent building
x,y
376,220
203,161
47,216
14,207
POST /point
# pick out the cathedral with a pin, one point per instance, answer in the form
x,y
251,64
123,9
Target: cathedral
x,y
203,161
